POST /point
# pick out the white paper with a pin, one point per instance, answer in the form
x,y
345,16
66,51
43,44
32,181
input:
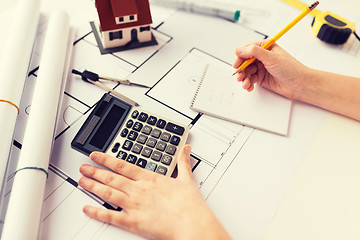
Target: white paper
x,y
13,68
29,184
244,180
220,95
323,200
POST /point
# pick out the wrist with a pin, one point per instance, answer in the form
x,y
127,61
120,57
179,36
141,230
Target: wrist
x,y
305,86
202,225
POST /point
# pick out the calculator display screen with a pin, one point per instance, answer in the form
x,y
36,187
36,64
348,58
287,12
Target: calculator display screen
x,y
107,126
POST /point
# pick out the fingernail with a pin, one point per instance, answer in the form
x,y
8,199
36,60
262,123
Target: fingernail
x,y
187,149
86,209
83,168
81,182
94,156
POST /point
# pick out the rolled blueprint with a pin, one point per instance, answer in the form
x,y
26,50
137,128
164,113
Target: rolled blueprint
x,y
25,204
13,70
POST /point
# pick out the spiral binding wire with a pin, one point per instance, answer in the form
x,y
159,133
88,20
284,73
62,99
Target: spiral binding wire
x,y
199,86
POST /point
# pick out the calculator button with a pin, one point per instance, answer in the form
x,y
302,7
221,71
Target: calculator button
x,y
156,156
116,147
133,135
141,163
152,120
175,140
151,166
129,123
161,123
160,146
166,159
135,114
142,139
146,129
171,149
142,117
162,170
137,148
156,133
151,142
122,155
171,127
137,126
146,152
131,158
165,137
124,132
127,145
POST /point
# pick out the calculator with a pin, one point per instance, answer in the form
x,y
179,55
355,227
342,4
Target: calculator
x,y
127,132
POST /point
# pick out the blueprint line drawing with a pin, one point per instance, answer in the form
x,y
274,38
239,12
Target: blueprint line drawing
x,y
171,70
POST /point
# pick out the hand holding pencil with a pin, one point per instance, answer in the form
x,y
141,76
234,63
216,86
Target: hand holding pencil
x,y
274,69
277,36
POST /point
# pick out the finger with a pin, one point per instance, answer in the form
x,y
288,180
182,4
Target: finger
x,y
251,84
106,177
117,165
260,72
246,83
251,70
106,193
257,43
183,162
242,55
238,61
117,218
254,50
241,76
251,88
239,50
249,73
254,78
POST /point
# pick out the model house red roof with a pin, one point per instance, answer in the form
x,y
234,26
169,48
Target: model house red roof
x,y
123,7
109,9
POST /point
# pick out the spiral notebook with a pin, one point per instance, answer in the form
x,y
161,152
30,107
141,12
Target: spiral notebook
x,y
220,95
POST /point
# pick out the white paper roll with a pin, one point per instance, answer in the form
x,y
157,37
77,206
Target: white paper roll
x,y
24,210
13,70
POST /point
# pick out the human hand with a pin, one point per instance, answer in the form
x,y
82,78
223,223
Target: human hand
x,y
154,206
273,69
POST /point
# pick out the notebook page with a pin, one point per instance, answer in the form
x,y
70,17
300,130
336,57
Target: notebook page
x,y
220,95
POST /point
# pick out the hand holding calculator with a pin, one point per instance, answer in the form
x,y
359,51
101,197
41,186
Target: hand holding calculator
x,y
131,134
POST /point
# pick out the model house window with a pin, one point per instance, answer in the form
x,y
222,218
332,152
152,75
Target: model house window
x,y
132,17
115,35
147,28
121,19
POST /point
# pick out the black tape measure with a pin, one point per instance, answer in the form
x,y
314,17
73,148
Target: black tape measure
x,y
327,26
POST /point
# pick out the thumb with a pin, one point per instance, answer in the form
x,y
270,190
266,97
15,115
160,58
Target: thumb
x,y
255,51
183,162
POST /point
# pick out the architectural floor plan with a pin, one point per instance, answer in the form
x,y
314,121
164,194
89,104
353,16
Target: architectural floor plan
x,y
244,186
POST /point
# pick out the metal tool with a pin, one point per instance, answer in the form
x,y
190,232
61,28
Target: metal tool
x,y
93,78
96,77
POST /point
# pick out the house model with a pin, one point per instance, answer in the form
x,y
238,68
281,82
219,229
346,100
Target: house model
x,y
122,25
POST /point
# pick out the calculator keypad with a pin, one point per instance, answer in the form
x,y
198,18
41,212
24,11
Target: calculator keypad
x,y
148,142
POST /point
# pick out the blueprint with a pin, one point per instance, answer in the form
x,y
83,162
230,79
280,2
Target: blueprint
x,y
243,185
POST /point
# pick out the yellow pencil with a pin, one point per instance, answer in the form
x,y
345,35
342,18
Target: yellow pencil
x,y
277,36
